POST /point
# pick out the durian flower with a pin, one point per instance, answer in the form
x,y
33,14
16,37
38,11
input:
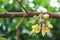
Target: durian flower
x,y
45,30
36,29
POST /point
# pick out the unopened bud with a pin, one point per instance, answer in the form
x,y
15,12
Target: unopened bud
x,y
33,21
46,16
50,26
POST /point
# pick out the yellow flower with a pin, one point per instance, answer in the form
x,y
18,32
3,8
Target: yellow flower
x,y
36,28
46,16
45,30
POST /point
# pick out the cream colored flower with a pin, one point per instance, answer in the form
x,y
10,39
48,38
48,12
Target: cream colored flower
x,y
43,33
36,28
45,30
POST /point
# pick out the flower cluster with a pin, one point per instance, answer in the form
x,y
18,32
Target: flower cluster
x,y
42,26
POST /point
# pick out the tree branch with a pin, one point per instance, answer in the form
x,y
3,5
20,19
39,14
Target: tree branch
x,y
30,14
18,27
20,3
22,18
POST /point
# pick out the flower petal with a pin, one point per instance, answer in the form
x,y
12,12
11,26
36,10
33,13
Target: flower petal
x,y
43,33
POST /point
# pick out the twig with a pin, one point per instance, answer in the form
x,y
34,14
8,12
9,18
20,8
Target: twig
x,y
19,25
20,3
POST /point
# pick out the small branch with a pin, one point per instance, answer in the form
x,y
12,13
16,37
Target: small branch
x,y
30,14
18,27
22,18
20,3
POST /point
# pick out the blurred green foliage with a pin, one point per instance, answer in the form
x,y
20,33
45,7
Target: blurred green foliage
x,y
8,25
2,38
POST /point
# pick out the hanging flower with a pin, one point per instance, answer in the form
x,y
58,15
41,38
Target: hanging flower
x,y
43,25
45,30
36,28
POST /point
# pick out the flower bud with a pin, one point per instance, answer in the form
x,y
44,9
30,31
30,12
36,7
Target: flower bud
x,y
40,15
46,16
33,21
50,26
35,16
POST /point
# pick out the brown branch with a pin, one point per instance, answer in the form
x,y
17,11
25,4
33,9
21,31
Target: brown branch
x,y
22,18
18,27
20,3
30,14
